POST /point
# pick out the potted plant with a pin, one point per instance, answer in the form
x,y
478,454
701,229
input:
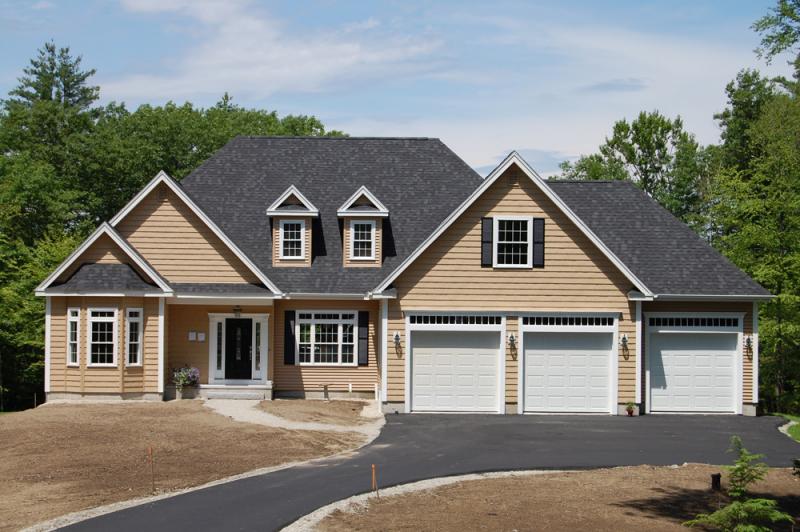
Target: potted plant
x,y
630,408
183,377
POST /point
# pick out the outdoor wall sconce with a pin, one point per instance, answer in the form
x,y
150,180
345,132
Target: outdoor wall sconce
x,y
512,344
396,339
237,311
623,342
748,347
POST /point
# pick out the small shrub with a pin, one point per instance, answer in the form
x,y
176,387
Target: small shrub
x,y
751,515
185,376
746,469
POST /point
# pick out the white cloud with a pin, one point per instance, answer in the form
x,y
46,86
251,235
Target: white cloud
x,y
253,56
38,6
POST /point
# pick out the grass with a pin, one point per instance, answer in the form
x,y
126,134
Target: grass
x,y
794,430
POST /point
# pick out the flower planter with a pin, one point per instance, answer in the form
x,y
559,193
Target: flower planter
x,y
178,394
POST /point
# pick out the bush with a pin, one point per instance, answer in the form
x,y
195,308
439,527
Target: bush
x,y
185,376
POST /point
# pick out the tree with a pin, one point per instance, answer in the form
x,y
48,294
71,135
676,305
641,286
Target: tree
x,y
659,156
780,32
757,210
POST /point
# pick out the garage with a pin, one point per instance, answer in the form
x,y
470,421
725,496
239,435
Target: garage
x,y
694,364
455,368
568,372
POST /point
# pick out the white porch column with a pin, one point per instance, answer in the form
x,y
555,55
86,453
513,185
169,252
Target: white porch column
x,y
755,351
161,334
384,348
639,339
47,325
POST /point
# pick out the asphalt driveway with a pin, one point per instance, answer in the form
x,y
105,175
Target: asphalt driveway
x,y
416,447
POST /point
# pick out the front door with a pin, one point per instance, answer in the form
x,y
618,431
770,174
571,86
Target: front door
x,y
238,348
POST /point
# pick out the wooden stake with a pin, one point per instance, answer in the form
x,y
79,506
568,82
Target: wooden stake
x,y
375,481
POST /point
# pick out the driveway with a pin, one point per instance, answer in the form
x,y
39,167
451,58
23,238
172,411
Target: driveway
x,y
416,447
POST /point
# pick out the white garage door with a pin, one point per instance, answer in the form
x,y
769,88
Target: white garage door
x,y
454,371
567,372
692,372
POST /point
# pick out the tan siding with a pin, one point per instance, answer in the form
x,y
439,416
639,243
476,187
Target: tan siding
x,y
576,276
178,244
512,360
312,378
348,259
118,379
684,306
185,318
102,251
276,244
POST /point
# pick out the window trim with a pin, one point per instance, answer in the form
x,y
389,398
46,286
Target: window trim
x,y
281,225
340,322
77,321
373,233
140,336
91,320
496,241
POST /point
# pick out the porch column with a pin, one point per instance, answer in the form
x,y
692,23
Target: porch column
x,y
384,341
161,334
639,339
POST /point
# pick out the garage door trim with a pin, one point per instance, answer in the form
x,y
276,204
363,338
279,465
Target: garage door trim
x,y
596,322
496,322
663,328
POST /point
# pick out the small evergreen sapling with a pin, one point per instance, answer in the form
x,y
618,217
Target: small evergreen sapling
x,y
743,514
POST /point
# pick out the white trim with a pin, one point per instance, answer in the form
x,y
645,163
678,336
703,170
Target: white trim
x,y
281,225
103,294
48,310
513,158
104,229
381,211
501,370
220,300
384,348
77,321
407,405
161,345
217,376
706,297
373,232
273,209
739,362
139,340
639,338
90,320
313,295
339,333
162,177
613,368
755,352
496,240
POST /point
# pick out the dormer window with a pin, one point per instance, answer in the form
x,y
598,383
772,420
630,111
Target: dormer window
x,y
362,239
292,239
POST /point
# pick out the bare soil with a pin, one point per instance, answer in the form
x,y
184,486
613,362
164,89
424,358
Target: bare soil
x,y
631,498
58,459
335,412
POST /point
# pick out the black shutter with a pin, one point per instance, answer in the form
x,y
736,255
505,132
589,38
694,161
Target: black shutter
x,y
538,242
363,338
486,242
288,337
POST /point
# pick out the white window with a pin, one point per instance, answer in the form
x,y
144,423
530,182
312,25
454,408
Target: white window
x,y
362,239
102,334
513,242
73,338
327,338
293,239
133,345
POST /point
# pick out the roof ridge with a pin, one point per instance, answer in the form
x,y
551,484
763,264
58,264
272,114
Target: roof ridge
x,y
320,137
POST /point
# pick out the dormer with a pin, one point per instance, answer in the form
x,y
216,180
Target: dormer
x,y
362,216
291,215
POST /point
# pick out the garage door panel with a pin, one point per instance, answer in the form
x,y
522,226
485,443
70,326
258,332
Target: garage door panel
x,y
567,372
692,372
454,371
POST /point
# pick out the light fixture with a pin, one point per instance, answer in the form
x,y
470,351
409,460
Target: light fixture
x,y
396,339
237,311
512,341
748,346
624,341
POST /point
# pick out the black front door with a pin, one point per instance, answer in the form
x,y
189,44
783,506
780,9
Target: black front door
x,y
238,348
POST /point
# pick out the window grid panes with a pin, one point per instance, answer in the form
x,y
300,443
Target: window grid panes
x,y
258,346
513,242
134,327
101,337
691,321
219,346
363,245
326,338
291,239
72,333
582,321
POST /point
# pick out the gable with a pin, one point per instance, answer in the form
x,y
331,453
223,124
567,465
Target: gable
x,y
178,244
576,274
102,251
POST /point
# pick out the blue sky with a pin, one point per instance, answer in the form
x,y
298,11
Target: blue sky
x,y
546,79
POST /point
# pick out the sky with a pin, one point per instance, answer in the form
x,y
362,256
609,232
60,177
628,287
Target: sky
x,y
547,79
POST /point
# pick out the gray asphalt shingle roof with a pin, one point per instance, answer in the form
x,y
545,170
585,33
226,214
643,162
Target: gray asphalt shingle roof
x,y
243,289
664,253
101,278
420,181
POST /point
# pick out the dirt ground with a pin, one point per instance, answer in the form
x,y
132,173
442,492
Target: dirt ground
x,y
59,459
329,412
632,498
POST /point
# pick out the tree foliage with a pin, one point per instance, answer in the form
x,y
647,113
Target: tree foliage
x,y
66,164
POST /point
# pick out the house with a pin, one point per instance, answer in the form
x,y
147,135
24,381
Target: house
x,y
388,267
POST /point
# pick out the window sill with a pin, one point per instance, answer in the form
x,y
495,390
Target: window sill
x,y
133,365
291,258
363,259
315,365
101,365
73,365
512,266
